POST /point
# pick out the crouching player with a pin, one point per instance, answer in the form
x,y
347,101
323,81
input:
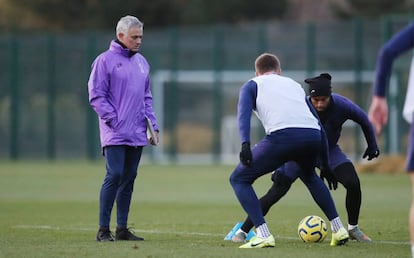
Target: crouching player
x,y
293,133
333,110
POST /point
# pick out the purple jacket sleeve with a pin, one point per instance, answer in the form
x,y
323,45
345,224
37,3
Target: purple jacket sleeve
x,y
98,85
149,112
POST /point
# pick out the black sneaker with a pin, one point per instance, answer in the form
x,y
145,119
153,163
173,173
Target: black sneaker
x,y
126,234
104,235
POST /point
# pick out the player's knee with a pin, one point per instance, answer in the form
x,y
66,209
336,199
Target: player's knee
x,y
235,179
113,176
281,180
281,185
347,176
353,186
231,179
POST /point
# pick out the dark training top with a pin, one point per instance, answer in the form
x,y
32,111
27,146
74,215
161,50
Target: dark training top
x,y
339,110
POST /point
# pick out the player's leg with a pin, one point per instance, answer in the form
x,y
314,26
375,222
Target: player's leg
x,y
281,185
323,198
242,178
270,153
411,213
293,144
124,194
410,170
321,195
115,158
348,177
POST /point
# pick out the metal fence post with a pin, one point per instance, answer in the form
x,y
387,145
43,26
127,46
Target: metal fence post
x,y
91,119
217,90
358,66
51,96
262,38
386,34
310,48
14,98
173,100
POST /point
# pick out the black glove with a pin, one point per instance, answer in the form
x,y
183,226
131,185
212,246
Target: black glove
x,y
246,157
371,153
326,173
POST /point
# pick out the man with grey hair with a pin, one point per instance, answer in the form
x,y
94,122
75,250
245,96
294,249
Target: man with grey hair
x,y
119,92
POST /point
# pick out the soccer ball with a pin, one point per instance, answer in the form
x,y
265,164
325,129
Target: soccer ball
x,y
312,229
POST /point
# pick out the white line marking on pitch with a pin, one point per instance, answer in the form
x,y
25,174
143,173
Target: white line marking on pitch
x,y
48,227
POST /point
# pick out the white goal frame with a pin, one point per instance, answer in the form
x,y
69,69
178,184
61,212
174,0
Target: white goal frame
x,y
229,136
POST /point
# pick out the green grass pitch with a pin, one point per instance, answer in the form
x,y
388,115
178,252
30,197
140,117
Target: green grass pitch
x,y
51,210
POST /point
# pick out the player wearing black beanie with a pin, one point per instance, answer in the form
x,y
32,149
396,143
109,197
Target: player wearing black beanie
x,y
320,85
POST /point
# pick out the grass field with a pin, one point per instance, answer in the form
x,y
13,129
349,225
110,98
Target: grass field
x,y
51,210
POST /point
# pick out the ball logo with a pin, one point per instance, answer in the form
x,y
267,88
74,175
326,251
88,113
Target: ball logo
x,y
312,229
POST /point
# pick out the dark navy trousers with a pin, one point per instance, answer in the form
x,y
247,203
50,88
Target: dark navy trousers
x,y
302,145
121,170
316,187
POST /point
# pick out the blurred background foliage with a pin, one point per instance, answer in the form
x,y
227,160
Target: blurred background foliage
x,y
103,14
47,46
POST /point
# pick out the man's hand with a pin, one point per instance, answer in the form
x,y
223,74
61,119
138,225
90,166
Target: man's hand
x,y
378,113
326,173
371,153
246,157
156,139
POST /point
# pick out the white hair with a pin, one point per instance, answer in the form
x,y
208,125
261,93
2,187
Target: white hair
x,y
126,22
